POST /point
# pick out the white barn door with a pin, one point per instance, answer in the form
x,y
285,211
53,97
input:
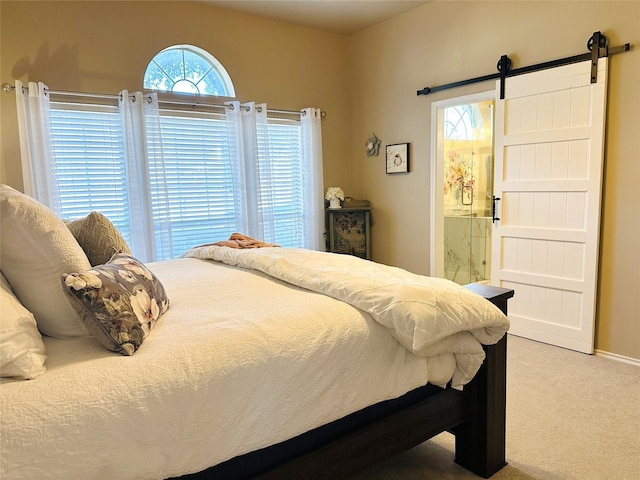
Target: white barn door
x,y
548,173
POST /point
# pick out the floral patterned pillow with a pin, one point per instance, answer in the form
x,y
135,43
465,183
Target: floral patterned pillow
x,y
121,301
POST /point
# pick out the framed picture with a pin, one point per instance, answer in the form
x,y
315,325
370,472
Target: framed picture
x,y
398,158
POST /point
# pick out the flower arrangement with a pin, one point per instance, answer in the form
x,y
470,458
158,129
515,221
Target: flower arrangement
x,y
334,193
458,173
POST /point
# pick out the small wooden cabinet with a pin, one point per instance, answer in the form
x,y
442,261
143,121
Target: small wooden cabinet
x,y
349,229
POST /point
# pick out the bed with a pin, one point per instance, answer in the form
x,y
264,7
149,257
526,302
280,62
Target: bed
x,y
234,363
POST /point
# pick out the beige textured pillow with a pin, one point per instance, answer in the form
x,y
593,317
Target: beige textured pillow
x,y
98,237
35,249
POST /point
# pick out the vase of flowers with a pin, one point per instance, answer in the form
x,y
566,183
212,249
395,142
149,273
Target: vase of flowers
x,y
334,195
458,175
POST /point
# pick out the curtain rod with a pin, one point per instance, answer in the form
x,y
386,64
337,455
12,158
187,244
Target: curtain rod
x,y
8,88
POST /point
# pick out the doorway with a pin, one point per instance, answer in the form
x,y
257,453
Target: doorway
x,y
462,188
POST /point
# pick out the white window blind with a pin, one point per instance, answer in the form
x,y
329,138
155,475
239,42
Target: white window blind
x,y
198,178
89,162
282,178
195,174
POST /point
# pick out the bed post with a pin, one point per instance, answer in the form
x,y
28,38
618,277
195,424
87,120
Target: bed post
x,y
480,441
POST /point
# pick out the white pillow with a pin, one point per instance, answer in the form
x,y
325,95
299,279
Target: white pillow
x,y
21,347
36,248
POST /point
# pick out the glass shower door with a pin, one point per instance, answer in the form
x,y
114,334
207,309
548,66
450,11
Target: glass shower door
x,y
465,146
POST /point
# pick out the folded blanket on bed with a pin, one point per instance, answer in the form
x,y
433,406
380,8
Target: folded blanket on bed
x,y
238,240
428,316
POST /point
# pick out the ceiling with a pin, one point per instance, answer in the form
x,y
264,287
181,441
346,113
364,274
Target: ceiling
x,y
338,16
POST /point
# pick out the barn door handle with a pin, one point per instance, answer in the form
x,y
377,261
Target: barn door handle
x,y
493,209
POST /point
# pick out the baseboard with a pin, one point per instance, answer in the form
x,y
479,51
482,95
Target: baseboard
x,y
619,358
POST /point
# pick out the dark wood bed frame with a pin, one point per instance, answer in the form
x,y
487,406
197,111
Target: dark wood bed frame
x,y
476,416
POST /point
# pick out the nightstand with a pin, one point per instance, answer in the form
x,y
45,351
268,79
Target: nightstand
x,y
349,227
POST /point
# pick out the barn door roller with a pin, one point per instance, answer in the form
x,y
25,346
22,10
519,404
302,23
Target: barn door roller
x,y
504,65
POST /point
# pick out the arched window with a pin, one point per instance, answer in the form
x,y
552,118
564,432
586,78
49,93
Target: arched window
x,y
458,123
188,69
464,122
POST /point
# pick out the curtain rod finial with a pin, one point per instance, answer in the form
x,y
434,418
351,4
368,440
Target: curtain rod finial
x,y
7,88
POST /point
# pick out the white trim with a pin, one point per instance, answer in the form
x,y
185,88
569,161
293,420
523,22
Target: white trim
x,y
618,358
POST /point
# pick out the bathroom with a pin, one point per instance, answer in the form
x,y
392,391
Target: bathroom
x,y
468,191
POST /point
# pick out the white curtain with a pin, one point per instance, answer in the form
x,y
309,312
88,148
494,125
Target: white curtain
x,y
34,125
265,180
313,181
249,147
236,159
148,198
148,202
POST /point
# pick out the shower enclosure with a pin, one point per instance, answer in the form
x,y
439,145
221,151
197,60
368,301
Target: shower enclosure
x,y
464,159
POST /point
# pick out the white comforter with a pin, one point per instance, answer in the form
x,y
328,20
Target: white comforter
x,y
239,362
429,316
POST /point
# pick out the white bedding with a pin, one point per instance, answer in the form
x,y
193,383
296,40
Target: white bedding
x,y
431,317
239,362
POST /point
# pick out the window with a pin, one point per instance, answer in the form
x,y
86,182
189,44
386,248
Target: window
x,y
197,175
188,69
89,162
282,179
195,185
198,178
463,122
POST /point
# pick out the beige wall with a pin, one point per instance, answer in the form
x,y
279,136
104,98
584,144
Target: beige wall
x,y
105,46
447,41
366,82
